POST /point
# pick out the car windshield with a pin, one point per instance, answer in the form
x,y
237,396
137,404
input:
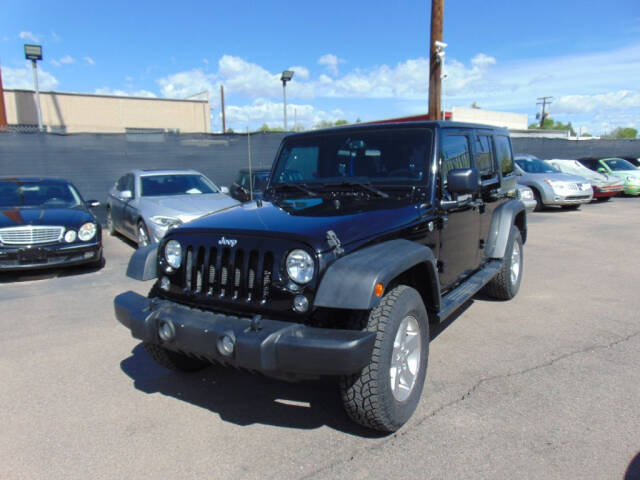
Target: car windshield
x,y
176,184
42,194
534,165
619,164
375,156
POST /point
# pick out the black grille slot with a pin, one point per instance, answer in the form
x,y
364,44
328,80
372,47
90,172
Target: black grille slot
x,y
231,274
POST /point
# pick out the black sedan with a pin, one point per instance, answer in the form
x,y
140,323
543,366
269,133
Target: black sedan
x,y
45,222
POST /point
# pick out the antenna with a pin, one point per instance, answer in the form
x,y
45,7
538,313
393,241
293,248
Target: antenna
x,y
250,175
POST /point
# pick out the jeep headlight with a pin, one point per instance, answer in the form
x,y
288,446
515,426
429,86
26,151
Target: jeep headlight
x,y
173,253
300,266
87,231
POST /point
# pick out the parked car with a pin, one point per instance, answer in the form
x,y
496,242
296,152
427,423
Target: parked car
x,y
526,196
366,234
604,186
243,191
44,222
144,204
550,186
618,167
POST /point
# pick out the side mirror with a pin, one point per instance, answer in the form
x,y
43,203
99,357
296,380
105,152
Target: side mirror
x,y
602,170
224,190
462,180
126,194
92,203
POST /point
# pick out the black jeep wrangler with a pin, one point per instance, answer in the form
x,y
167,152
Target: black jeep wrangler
x,y
365,236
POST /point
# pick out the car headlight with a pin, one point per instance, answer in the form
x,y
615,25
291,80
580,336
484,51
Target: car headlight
x,y
526,194
173,253
300,266
169,222
87,231
70,236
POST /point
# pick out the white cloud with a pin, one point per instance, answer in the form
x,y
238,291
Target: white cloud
x,y
123,93
56,38
55,62
300,72
619,100
184,84
67,60
89,60
5,38
331,62
205,61
262,111
32,37
22,78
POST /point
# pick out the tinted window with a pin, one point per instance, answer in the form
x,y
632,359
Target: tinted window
x,y
130,183
533,165
38,194
485,156
504,154
121,183
619,164
455,154
162,185
260,181
394,156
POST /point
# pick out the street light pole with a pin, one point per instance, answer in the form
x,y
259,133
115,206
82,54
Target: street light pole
x,y
34,68
34,53
285,77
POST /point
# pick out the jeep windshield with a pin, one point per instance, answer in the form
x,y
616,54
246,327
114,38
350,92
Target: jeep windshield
x,y
366,160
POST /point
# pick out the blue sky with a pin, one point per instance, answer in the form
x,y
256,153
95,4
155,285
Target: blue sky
x,y
353,59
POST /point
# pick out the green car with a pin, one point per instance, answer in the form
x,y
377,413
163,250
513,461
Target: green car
x,y
617,167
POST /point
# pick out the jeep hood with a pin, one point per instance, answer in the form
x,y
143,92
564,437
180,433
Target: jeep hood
x,y
308,220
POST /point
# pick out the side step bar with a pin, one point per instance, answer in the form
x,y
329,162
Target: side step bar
x,y
456,297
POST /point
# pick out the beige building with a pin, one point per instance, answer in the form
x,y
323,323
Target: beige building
x,y
79,112
512,121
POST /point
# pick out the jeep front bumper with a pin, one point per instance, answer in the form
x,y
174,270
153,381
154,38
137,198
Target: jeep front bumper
x,y
273,347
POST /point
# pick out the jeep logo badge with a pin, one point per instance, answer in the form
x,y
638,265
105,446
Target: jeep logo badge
x,y
229,242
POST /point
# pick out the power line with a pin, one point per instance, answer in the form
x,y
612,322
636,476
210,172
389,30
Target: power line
x,y
544,102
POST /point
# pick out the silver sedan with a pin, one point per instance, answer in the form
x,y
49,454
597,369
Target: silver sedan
x,y
144,204
550,186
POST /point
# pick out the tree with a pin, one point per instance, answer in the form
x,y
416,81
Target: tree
x,y
337,123
586,134
266,128
622,132
550,124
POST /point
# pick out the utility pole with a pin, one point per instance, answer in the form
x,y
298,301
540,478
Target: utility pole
x,y
544,101
3,112
224,122
436,56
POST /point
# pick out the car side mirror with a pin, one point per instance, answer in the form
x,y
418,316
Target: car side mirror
x,y
462,180
602,170
224,190
92,203
126,194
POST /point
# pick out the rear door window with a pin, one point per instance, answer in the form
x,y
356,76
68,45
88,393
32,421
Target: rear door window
x,y
456,153
504,154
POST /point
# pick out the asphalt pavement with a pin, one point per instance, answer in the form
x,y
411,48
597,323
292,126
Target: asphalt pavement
x,y
544,386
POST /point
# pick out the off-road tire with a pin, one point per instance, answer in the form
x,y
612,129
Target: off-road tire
x,y
367,396
501,287
173,360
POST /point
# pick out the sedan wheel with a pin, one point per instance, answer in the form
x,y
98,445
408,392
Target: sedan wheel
x,y
143,236
111,228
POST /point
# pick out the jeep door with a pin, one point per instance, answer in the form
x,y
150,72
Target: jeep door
x,y
459,249
494,161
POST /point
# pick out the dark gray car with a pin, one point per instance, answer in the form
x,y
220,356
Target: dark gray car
x,y
144,204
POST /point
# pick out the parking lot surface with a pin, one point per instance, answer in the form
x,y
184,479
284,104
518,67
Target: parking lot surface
x,y
544,386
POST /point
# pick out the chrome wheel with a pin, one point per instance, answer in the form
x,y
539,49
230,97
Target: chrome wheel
x,y
110,226
515,263
143,237
405,358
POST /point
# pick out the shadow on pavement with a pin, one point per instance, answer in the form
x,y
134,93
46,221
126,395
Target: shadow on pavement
x,y
47,273
245,399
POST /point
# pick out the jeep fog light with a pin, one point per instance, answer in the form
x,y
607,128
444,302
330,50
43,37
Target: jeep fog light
x,y
226,345
300,303
165,283
166,330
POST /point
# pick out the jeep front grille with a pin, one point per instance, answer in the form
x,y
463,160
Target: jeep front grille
x,y
232,274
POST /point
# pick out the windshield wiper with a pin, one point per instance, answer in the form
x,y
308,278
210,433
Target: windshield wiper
x,y
364,186
300,186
